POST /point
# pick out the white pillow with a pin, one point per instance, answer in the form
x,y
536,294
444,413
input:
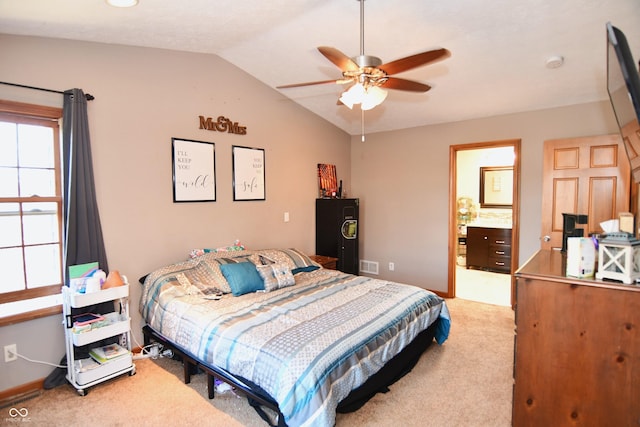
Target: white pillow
x,y
276,276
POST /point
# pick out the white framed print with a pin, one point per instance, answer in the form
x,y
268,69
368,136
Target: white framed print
x,y
194,170
248,173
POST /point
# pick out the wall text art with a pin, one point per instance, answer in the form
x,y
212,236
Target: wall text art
x,y
194,170
223,124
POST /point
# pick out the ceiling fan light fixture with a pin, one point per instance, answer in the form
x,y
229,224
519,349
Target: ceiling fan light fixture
x,y
368,97
373,97
353,95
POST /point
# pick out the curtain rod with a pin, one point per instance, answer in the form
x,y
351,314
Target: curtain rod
x,y
88,96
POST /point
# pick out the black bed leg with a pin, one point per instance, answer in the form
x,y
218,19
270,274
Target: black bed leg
x,y
147,338
211,385
187,370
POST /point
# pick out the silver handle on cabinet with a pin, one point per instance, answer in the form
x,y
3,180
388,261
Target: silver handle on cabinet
x,y
501,264
499,252
500,242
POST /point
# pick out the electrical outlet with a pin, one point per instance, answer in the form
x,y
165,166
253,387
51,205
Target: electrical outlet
x,y
10,352
392,266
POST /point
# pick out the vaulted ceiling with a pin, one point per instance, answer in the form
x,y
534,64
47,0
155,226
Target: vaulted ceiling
x,y
499,48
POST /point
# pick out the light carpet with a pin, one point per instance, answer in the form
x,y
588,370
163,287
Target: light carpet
x,y
465,382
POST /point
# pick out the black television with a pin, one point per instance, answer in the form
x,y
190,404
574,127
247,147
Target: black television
x,y
623,85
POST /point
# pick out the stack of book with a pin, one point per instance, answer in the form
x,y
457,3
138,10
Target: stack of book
x,y
108,353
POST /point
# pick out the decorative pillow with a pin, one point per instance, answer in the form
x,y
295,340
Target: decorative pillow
x,y
301,261
237,246
207,279
304,269
211,264
291,257
243,278
275,276
265,260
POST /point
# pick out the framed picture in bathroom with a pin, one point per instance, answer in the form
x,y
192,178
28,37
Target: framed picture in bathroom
x,y
496,187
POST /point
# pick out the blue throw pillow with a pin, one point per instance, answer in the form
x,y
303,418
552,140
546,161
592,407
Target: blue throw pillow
x,y
243,278
304,269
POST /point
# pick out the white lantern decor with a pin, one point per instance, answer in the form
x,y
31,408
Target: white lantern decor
x,y
619,258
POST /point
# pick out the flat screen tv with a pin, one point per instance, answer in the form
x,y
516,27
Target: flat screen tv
x,y
623,85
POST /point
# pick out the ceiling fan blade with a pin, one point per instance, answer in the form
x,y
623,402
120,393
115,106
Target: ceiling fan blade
x,y
340,81
414,61
403,84
341,60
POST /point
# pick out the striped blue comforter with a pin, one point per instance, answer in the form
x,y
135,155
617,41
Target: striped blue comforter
x,y
307,345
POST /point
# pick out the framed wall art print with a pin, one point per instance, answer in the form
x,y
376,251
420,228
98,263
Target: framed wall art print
x,y
194,170
248,173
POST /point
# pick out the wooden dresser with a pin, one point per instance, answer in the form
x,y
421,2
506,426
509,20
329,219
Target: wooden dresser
x,y
577,348
489,248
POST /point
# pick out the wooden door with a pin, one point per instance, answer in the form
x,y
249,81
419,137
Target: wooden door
x,y
588,175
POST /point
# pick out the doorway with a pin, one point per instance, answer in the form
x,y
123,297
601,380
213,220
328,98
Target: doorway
x,y
466,162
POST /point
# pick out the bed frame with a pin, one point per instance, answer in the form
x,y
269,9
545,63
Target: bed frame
x,y
392,371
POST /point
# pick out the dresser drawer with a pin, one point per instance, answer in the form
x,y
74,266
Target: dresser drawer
x,y
499,236
500,251
501,264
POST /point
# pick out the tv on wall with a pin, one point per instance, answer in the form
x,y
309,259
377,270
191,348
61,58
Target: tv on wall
x,y
623,85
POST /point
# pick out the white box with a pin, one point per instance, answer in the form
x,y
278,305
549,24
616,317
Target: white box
x,y
581,257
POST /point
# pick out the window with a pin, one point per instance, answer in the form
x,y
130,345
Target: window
x,y
30,212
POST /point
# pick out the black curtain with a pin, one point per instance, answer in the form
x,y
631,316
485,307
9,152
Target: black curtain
x,y
83,241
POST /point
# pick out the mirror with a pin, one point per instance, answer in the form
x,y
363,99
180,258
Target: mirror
x,y
496,187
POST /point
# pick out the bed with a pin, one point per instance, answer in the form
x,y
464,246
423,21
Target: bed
x,y
297,338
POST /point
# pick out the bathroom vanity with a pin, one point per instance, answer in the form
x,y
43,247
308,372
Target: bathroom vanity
x,y
489,248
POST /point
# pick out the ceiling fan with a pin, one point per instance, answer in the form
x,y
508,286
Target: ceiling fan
x,y
369,75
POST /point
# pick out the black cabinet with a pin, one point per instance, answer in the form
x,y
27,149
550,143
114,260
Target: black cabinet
x,y
489,249
337,232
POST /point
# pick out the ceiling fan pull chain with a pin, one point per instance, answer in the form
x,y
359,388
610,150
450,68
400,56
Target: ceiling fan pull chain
x,y
362,122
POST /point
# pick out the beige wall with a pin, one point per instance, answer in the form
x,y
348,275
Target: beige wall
x,y
144,97
402,180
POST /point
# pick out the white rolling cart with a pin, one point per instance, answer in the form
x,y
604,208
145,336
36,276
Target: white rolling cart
x,y
85,373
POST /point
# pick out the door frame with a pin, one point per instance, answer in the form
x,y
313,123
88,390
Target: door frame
x,y
453,229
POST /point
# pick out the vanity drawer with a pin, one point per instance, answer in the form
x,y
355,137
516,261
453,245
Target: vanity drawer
x,y
500,251
499,236
500,264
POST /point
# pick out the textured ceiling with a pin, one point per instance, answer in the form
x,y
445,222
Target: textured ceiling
x,y
499,47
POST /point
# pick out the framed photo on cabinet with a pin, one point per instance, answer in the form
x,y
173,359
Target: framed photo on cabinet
x,y
248,173
194,170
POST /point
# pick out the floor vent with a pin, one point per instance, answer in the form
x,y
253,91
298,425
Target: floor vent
x,y
370,267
